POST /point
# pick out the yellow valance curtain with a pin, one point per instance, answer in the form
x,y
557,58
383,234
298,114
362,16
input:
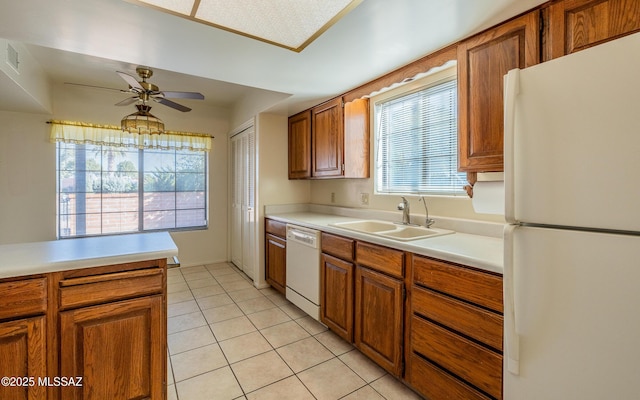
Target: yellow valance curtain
x,y
110,135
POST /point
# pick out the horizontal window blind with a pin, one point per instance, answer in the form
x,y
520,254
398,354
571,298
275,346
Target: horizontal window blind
x,y
417,142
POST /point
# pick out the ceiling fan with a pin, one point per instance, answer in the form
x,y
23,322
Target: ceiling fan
x,y
144,91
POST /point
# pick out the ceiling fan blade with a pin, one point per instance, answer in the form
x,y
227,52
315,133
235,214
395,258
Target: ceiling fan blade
x,y
128,101
183,95
133,82
96,87
172,104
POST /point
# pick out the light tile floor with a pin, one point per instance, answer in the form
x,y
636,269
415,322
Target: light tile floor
x,y
229,340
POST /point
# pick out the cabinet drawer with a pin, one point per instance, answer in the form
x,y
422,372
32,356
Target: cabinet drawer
x,y
476,364
434,383
380,259
474,286
338,246
96,289
477,323
23,298
275,227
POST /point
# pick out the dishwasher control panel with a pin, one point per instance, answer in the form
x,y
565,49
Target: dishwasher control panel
x,y
310,237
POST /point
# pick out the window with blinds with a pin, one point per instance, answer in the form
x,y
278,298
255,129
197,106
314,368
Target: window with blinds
x,y
417,142
104,190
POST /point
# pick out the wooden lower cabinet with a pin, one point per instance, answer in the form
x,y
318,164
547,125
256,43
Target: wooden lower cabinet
x,y
336,291
362,297
275,253
455,338
434,383
276,262
434,324
115,348
106,325
465,358
379,318
23,352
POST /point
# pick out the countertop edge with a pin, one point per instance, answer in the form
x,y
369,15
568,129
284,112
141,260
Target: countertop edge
x,y
69,254
447,248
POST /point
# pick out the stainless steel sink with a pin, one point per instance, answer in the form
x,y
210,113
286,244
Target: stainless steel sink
x,y
391,230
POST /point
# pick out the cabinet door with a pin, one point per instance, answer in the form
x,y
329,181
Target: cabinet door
x,y
336,295
356,139
300,145
328,139
276,262
378,318
23,352
483,60
118,348
578,24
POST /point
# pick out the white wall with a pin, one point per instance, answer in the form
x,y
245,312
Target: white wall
x,y
28,177
347,194
273,185
251,105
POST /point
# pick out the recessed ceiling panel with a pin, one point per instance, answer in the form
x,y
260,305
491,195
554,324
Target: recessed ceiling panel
x,y
291,24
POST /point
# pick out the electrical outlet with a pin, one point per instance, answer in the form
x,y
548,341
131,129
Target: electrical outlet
x,y
364,199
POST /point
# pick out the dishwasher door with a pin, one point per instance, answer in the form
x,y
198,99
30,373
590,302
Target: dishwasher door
x,y
303,269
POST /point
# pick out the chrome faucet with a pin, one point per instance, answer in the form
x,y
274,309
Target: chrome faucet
x,y
428,221
404,206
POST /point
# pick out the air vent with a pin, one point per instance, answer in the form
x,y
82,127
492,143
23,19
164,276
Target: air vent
x,y
12,57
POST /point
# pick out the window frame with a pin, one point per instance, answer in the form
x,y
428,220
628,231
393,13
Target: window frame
x,y
140,191
436,78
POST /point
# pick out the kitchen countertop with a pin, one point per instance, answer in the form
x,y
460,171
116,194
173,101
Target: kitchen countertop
x,y
483,252
67,254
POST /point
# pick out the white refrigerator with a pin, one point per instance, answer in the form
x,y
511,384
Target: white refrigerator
x,y
572,243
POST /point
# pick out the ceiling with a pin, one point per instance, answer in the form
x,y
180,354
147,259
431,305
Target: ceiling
x,y
86,41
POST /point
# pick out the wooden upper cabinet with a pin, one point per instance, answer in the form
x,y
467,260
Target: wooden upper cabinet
x,y
578,24
327,156
356,139
483,60
330,141
300,145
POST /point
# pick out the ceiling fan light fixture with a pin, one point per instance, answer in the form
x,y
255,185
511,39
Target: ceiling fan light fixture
x,y
142,122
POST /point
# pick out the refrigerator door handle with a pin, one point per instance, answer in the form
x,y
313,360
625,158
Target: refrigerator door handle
x,y
511,338
511,90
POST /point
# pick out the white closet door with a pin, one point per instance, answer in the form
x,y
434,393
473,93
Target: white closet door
x,y
243,223
248,214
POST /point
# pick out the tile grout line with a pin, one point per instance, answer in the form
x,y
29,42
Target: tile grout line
x,y
274,349
228,364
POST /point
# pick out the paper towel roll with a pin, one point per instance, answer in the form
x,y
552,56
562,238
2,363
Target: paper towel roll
x,y
488,197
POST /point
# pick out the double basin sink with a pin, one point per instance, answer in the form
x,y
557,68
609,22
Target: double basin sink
x,y
391,230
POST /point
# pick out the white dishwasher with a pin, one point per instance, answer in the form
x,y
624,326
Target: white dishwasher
x,y
303,269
